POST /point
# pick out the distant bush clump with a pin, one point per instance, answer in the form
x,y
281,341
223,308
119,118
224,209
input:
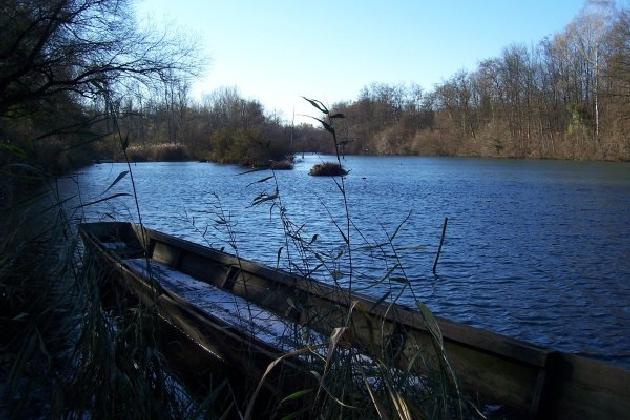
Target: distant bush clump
x,y
328,169
252,147
164,152
281,164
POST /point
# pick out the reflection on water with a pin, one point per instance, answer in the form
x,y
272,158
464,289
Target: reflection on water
x,y
538,250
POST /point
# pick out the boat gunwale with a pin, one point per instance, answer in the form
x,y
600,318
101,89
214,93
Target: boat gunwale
x,y
469,336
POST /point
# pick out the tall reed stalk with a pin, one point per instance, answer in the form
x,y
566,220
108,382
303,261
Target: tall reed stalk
x,y
66,350
350,384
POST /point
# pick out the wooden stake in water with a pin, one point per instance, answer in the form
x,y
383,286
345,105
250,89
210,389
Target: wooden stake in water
x,y
437,256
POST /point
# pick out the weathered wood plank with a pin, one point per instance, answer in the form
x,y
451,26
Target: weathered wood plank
x,y
240,352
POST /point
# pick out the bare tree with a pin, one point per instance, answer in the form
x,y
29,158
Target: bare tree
x,y
588,33
80,48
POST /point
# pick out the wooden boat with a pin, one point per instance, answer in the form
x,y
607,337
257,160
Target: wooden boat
x,y
533,381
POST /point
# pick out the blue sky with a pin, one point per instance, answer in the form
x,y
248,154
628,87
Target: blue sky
x,y
279,50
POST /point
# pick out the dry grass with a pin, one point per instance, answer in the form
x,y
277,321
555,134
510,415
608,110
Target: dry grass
x,y
63,354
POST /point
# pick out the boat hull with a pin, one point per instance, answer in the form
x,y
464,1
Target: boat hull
x,y
533,381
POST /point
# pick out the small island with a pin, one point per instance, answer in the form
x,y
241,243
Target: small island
x,y
328,169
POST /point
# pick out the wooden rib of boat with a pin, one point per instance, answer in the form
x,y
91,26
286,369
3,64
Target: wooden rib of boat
x,y
536,382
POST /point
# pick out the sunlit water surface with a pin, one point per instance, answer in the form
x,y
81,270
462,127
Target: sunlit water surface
x,y
538,250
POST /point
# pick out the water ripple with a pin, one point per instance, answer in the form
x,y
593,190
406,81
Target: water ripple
x,y
536,250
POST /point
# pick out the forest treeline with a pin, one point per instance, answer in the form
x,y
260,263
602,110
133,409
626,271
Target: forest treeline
x,y
567,97
223,127
80,78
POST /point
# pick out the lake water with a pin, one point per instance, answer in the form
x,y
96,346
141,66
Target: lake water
x,y
538,250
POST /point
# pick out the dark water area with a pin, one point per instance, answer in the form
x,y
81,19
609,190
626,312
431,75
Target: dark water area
x,y
537,250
